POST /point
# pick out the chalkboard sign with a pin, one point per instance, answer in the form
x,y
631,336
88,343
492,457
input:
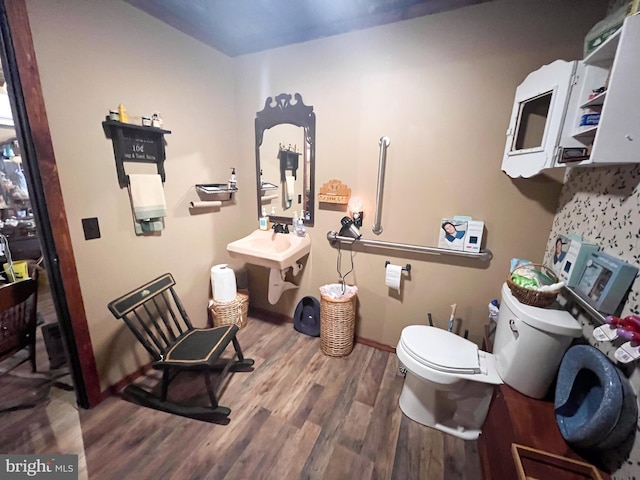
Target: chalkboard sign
x,y
138,147
135,143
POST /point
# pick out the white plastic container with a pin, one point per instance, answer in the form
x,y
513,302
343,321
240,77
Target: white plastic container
x,y
530,343
223,283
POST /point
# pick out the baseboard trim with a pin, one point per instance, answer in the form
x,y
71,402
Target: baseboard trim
x,y
273,317
130,378
254,312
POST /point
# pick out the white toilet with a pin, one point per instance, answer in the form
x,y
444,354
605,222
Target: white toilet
x,y
449,382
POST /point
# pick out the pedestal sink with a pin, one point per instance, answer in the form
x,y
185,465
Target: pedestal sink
x,y
276,251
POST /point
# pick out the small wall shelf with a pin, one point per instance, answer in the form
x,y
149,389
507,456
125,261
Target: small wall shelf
x,y
334,191
216,191
135,143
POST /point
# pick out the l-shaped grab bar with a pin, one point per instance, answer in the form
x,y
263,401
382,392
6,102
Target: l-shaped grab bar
x,y
384,143
485,255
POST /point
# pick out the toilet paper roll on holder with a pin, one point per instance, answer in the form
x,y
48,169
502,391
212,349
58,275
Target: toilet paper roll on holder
x,y
406,268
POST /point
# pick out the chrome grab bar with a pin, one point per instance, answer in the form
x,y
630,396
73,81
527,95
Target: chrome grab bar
x,y
384,143
484,255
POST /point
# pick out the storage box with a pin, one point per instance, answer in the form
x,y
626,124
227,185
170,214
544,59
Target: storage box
x,y
473,238
573,261
590,119
604,29
605,281
452,233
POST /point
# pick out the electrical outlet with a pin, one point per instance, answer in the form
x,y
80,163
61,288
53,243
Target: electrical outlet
x,y
91,228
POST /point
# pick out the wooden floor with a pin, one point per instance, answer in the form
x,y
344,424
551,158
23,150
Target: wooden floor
x,y
299,414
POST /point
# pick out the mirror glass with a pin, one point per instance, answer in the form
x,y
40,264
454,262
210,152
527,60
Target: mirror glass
x,y
533,119
285,159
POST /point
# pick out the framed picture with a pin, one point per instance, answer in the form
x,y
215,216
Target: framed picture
x,y
452,234
560,249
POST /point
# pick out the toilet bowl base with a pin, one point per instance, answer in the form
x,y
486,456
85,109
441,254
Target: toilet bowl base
x,y
422,403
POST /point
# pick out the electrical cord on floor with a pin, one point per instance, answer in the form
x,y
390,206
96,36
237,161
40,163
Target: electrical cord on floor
x,y
338,263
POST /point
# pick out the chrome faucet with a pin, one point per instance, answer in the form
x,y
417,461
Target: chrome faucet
x,y
280,228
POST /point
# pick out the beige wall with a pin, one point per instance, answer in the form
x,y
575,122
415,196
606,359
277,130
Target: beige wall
x,y
93,55
440,87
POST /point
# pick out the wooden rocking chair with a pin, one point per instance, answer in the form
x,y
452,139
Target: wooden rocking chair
x,y
155,315
18,308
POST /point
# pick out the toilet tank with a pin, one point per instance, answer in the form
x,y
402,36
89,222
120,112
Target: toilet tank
x,y
530,342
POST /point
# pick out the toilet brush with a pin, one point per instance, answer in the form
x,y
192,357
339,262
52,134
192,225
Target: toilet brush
x,y
453,316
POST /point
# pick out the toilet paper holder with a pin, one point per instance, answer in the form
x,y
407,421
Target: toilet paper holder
x,y
407,268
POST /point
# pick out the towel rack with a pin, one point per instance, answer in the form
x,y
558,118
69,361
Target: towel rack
x,y
484,255
135,143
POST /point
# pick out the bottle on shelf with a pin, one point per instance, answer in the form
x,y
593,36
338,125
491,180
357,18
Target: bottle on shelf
x,y
264,220
233,184
122,114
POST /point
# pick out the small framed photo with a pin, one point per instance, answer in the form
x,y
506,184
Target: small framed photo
x,y
452,234
560,249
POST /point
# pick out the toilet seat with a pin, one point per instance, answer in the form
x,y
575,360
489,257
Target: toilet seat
x,y
438,355
441,350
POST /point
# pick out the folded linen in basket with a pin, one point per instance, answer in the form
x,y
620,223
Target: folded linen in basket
x,y
147,196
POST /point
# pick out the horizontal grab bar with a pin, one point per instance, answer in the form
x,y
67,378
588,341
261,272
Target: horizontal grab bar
x,y
485,255
571,296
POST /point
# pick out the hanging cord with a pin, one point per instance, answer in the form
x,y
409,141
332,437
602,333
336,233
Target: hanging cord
x,y
339,262
11,274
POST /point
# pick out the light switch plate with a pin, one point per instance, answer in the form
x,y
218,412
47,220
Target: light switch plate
x,y
91,228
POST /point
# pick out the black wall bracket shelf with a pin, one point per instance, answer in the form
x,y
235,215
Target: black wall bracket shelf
x,y
135,143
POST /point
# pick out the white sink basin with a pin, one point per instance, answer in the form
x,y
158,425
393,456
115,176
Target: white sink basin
x,y
268,249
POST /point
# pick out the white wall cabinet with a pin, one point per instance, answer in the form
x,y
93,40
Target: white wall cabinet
x,y
557,120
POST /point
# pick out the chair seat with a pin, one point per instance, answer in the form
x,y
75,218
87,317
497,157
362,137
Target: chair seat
x,y
199,347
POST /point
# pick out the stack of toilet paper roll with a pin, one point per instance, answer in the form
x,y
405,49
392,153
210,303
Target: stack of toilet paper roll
x,y
223,283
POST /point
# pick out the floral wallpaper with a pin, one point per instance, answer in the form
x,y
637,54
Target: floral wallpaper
x,y
603,205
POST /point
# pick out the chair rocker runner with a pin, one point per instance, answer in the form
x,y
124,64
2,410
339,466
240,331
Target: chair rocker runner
x,y
155,315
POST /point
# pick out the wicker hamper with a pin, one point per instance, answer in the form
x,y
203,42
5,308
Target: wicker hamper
x,y
235,311
337,325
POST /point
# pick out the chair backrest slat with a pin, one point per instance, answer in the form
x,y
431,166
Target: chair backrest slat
x,y
182,311
143,339
151,315
153,319
161,311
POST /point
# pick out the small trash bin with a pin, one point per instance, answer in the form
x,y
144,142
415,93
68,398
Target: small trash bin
x,y
337,319
233,312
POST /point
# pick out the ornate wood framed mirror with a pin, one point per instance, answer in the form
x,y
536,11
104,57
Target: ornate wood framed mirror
x,y
285,159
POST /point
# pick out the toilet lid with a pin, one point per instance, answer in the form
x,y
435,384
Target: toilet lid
x,y
441,350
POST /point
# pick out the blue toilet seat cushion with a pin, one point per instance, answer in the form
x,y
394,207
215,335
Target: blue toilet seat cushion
x,y
594,402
